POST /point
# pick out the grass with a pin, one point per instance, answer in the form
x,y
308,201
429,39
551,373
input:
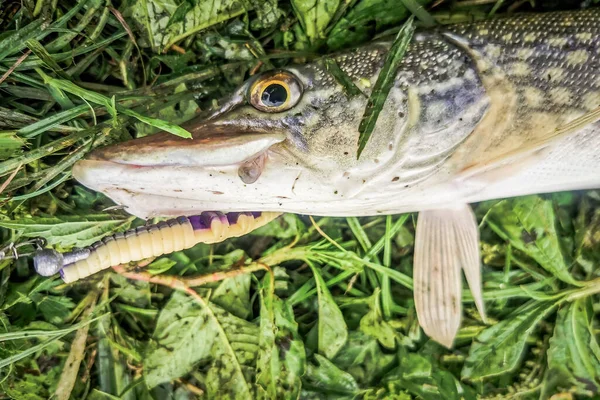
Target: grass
x,y
281,313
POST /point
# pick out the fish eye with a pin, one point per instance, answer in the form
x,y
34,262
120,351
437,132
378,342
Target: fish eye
x,y
275,92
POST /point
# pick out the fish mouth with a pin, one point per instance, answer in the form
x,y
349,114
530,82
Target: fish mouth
x,y
212,144
134,173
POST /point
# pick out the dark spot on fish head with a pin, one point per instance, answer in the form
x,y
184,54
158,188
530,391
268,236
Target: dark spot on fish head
x,y
395,179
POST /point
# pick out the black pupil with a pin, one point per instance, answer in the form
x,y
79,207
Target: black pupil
x,y
274,95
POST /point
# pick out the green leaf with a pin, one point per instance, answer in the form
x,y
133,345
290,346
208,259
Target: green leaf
x,y
39,50
384,83
574,353
528,223
498,349
233,295
282,358
357,25
16,40
341,77
167,22
285,227
373,324
267,13
418,376
111,106
10,145
327,377
55,309
36,128
332,327
71,230
176,114
363,358
315,15
188,332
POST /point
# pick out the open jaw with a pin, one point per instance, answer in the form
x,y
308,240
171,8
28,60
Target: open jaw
x,y
165,237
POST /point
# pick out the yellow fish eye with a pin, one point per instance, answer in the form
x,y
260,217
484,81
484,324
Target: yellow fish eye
x,y
275,92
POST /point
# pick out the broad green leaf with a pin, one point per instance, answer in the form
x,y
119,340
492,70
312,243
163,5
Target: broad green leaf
x,y
327,377
10,144
315,16
55,309
167,22
418,376
233,295
188,332
267,13
498,349
332,330
528,223
374,325
385,81
282,358
71,230
357,25
574,353
363,358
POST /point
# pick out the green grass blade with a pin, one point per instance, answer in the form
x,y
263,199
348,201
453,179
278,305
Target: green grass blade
x,y
384,83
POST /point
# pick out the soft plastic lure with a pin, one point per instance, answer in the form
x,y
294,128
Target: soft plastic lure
x,y
148,241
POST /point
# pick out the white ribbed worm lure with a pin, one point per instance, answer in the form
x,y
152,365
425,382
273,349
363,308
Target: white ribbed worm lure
x,y
148,241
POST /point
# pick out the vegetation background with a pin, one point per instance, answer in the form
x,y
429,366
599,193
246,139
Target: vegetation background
x,y
324,320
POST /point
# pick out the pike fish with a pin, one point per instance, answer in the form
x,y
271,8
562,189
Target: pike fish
x,y
482,110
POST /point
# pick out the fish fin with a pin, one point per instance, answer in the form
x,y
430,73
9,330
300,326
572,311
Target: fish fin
x,y
467,236
508,162
436,276
446,241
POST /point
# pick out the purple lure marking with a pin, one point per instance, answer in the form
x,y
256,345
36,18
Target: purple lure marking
x,y
223,218
206,218
197,222
232,217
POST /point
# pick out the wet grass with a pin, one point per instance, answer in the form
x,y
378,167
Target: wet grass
x,y
292,313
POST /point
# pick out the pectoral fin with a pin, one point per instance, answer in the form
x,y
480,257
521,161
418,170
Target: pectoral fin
x,y
446,241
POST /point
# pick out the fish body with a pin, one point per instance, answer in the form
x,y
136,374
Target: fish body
x,y
473,115
464,96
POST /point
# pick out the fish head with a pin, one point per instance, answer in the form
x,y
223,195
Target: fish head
x,y
287,141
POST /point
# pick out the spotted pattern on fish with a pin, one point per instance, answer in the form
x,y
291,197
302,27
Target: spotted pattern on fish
x,y
549,52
